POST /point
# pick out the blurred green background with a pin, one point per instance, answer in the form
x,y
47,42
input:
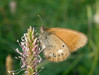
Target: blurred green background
x,y
81,15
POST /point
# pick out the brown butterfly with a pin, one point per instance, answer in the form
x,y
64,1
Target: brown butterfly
x,y
59,43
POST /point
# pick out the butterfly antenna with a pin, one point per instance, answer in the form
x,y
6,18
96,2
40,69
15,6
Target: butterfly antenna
x,y
41,19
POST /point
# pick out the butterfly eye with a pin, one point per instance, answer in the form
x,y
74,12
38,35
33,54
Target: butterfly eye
x,y
62,45
46,37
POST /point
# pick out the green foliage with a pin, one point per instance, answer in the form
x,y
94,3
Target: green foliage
x,y
73,14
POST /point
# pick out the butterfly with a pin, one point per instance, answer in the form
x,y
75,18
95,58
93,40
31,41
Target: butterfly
x,y
59,43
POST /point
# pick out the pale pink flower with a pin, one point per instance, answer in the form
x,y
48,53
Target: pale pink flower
x,y
29,56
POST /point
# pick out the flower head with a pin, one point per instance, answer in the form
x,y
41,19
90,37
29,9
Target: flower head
x,y
29,56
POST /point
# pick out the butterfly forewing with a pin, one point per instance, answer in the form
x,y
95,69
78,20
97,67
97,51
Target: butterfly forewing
x,y
73,39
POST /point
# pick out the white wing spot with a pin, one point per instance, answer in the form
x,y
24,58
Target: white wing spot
x,y
51,54
60,51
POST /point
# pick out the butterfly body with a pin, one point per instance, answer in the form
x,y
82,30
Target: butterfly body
x,y
59,43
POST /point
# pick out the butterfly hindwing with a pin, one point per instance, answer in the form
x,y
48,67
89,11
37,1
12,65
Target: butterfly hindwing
x,y
55,49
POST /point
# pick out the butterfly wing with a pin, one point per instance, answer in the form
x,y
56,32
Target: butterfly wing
x,y
55,49
73,39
